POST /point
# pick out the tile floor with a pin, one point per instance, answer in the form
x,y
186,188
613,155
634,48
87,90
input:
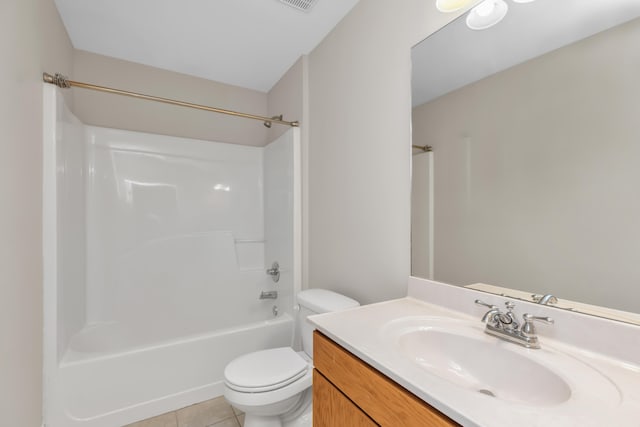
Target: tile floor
x,y
212,413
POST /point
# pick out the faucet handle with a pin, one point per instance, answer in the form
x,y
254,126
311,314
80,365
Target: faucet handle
x,y
529,317
491,314
274,271
491,306
528,329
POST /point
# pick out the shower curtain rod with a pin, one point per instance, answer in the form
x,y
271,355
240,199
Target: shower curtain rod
x,y
424,148
62,81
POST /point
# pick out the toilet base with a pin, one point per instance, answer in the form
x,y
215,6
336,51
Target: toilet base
x,y
300,416
251,420
305,419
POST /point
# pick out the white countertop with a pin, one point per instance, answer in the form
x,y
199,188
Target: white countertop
x,y
610,396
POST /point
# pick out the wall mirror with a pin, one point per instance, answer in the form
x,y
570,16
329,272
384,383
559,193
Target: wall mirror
x,y
533,181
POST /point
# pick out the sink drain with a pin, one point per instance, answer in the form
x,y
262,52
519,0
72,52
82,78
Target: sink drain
x,y
487,392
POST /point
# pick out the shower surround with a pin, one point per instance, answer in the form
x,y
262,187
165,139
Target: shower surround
x,y
155,253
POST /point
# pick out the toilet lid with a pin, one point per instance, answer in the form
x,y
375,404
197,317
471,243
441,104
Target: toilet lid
x,y
265,370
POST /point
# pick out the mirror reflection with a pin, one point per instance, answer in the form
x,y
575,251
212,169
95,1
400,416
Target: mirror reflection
x,y
533,183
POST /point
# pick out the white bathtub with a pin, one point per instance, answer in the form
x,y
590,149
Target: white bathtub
x,y
99,389
155,250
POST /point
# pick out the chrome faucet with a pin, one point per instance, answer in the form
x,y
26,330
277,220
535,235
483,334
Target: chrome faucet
x,y
505,326
544,299
489,315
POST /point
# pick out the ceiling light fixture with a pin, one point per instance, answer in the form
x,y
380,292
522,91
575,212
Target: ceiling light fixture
x,y
452,5
487,14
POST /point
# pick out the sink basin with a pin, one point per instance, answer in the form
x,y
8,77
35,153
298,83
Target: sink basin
x,y
485,367
459,354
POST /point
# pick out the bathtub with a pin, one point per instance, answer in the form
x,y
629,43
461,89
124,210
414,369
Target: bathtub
x,y
98,388
154,258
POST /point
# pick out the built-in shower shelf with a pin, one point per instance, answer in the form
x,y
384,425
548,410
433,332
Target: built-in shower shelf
x,y
252,270
241,241
250,254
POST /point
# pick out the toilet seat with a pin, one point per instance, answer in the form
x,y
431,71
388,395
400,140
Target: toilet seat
x,y
256,402
265,370
243,400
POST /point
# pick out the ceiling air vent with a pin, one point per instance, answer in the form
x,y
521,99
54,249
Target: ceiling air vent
x,y
304,5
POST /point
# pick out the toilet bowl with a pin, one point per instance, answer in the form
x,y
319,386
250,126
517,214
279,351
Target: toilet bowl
x,y
273,387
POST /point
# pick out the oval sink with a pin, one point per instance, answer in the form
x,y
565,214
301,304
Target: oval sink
x,y
482,366
456,354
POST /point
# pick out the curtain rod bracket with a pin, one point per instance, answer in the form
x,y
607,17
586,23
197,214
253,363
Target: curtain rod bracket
x,y
268,123
58,79
425,148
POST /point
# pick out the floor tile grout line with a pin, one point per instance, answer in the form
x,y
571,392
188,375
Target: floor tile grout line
x,y
226,419
237,419
221,409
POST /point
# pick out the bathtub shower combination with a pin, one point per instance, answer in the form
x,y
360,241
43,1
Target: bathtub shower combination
x,y
155,252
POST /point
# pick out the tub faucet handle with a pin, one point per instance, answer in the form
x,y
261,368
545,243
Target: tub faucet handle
x,y
274,271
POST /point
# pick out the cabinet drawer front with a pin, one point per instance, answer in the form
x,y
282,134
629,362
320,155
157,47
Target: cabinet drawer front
x,y
386,402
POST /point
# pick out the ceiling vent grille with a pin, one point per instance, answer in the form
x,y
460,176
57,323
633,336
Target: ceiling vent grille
x,y
304,5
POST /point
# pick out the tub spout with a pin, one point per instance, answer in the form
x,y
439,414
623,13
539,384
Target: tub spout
x,y
269,295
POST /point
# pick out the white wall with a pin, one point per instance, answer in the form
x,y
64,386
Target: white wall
x,y
32,40
359,148
537,174
121,112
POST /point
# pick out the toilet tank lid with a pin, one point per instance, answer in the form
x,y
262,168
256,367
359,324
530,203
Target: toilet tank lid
x,y
323,300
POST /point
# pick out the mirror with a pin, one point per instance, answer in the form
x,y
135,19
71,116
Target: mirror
x,y
533,184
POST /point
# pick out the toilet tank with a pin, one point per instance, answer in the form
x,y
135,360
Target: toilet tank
x,y
317,301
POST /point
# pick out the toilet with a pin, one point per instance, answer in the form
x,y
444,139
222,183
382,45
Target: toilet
x,y
273,387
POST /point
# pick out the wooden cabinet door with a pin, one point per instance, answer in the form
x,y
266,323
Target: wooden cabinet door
x,y
383,400
331,408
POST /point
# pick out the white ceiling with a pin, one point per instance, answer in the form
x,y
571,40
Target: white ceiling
x,y
247,43
456,56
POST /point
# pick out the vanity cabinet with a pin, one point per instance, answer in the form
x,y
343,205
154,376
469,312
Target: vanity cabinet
x,y
348,392
332,408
